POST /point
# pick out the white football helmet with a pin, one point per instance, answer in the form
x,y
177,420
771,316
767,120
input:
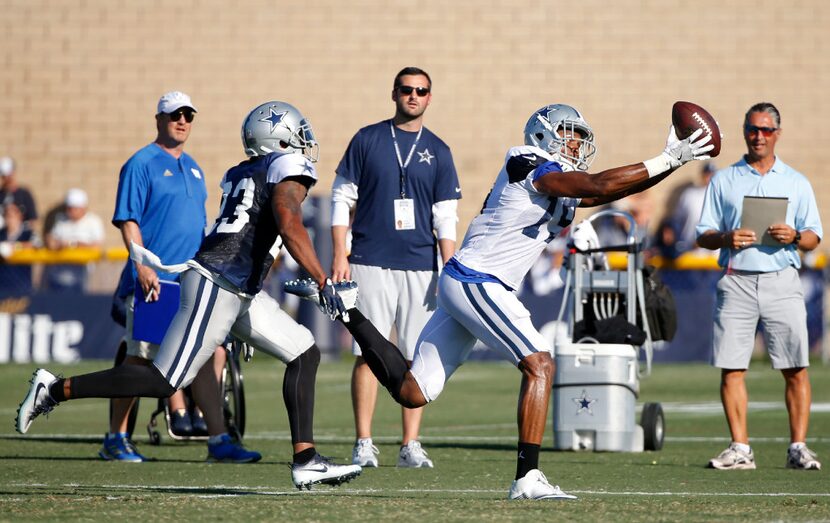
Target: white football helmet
x,y
278,127
547,128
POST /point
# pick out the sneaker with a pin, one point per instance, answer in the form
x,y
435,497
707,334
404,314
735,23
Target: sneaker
x,y
120,448
322,470
535,486
229,450
307,289
365,453
180,424
803,459
37,401
733,459
413,456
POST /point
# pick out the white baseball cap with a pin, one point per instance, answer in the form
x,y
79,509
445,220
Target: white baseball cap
x,y
173,100
76,198
6,165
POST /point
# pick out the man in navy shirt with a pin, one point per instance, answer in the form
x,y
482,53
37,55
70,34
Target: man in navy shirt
x,y
400,180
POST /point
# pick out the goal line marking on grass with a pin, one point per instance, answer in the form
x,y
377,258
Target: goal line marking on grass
x,y
241,490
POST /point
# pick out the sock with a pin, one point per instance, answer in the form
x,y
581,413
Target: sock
x,y
304,456
743,447
298,394
384,359
797,445
56,390
215,440
124,381
527,459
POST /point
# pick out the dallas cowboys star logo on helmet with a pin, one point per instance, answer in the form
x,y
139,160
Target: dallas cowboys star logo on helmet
x,y
274,119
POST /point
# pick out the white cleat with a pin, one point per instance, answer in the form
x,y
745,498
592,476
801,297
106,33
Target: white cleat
x,y
365,453
322,470
37,401
412,455
535,486
308,290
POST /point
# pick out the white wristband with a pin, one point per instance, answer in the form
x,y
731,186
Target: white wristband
x,y
658,165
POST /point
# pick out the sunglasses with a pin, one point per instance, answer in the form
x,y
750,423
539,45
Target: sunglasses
x,y
178,113
406,90
754,129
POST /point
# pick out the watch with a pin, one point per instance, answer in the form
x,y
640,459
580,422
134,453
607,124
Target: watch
x,y
796,239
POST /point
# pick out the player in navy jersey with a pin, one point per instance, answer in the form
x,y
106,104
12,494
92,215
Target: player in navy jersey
x,y
533,199
400,179
220,291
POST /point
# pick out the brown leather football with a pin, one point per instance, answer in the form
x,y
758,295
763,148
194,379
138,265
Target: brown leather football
x,y
688,118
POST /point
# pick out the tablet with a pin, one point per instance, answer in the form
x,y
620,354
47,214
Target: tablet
x,y
759,213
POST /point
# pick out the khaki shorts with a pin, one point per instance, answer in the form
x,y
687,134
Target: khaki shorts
x,y
773,299
405,299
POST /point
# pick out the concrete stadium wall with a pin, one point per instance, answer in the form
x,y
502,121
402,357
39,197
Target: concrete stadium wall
x,y
79,80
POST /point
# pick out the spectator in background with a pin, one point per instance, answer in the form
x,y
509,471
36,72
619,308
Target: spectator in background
x,y
15,234
75,227
613,230
12,192
761,285
676,233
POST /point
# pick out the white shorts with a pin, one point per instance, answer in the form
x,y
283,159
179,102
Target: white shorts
x,y
208,312
138,348
466,312
776,300
389,297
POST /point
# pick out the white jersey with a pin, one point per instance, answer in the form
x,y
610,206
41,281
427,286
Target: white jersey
x,y
517,221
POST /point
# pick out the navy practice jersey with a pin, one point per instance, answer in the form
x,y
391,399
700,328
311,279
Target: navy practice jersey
x,y
244,240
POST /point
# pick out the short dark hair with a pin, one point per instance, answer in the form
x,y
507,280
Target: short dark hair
x,y
764,107
409,71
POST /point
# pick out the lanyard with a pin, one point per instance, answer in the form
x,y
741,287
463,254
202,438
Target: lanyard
x,y
403,165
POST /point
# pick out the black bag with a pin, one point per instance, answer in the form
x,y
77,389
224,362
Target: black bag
x,y
615,329
661,310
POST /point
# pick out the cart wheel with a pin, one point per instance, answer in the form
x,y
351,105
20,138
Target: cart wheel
x,y
654,426
155,437
233,396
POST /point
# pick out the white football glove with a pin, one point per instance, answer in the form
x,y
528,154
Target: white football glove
x,y
678,152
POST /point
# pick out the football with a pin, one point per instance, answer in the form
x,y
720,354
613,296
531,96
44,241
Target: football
x,y
688,118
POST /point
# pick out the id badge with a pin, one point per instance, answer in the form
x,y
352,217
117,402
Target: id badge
x,y
404,214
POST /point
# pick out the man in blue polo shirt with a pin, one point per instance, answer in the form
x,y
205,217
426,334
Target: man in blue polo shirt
x,y
160,204
760,283
401,182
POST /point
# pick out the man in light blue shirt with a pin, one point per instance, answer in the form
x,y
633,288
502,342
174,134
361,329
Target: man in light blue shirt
x,y
760,283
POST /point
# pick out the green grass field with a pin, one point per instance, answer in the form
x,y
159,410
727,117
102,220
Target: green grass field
x,y
53,472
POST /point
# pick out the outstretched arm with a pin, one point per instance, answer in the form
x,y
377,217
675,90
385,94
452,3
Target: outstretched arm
x,y
286,201
616,183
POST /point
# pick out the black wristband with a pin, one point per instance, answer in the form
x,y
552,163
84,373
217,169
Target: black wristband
x,y
796,238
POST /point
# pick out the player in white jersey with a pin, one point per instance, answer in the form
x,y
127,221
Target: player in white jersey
x,y
534,198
